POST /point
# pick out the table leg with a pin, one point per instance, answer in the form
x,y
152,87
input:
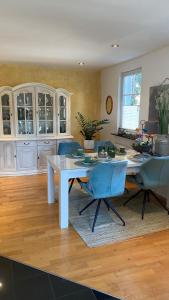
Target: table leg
x,y
51,185
63,201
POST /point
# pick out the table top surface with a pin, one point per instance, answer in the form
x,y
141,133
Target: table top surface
x,y
22,282
63,162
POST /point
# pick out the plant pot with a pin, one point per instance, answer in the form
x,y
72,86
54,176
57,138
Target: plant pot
x,y
89,144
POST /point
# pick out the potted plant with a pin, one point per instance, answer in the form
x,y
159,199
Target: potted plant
x,y
142,146
89,128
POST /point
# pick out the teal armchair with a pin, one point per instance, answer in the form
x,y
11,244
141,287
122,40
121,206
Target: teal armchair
x,y
106,180
68,147
154,173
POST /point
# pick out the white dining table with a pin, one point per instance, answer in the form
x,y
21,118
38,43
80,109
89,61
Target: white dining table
x,y
66,168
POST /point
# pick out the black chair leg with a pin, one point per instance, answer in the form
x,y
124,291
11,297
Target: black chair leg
x,y
96,214
79,181
144,204
107,205
132,197
71,184
90,203
159,201
126,190
72,181
148,196
116,213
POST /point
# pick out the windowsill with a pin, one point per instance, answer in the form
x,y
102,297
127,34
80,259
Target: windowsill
x,y
125,137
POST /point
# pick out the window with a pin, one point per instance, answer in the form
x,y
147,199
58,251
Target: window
x,y
131,93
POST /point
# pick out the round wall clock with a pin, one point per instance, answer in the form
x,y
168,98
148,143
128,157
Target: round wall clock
x,y
109,105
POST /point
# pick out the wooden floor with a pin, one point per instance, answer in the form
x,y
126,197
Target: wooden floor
x,y
136,269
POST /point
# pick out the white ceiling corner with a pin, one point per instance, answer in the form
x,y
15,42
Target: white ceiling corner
x,y
64,32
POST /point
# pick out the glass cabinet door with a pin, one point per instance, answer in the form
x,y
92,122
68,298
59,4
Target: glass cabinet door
x,y
25,113
32,109
45,110
62,114
6,111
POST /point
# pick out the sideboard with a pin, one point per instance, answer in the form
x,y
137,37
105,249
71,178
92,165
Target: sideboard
x,y
26,157
34,118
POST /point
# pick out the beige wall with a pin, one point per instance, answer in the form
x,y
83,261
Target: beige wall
x,y
85,86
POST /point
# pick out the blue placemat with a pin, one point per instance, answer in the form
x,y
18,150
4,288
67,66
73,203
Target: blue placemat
x,y
83,164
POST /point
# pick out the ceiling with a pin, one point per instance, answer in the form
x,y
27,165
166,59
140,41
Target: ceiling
x,y
65,32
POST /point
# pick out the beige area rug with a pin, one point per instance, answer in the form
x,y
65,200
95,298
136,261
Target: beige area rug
x,y
108,228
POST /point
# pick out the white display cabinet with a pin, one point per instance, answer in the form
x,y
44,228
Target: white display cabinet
x,y
41,110
33,118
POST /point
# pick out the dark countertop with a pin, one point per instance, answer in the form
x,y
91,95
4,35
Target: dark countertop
x,y
21,282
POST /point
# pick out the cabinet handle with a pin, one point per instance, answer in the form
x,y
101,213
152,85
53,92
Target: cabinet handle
x,y
38,157
46,142
15,156
26,143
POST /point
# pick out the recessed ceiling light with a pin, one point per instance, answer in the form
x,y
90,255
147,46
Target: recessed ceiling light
x,y
81,63
115,45
1,285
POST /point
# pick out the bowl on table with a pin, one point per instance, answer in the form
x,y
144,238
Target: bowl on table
x,y
78,153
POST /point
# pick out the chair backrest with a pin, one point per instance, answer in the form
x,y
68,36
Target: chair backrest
x,y
68,147
155,171
107,179
105,144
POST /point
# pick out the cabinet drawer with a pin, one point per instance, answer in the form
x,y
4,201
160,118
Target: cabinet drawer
x,y
25,143
46,142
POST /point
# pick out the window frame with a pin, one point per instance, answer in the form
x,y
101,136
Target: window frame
x,y
131,72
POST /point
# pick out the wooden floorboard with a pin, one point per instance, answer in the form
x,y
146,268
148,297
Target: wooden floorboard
x,y
136,269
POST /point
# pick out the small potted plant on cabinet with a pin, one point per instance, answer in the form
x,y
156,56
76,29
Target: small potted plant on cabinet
x,y
89,128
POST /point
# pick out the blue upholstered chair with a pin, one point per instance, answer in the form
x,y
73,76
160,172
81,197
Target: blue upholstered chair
x,y
154,173
105,144
105,180
69,148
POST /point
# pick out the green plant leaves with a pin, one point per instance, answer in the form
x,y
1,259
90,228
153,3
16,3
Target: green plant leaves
x,y
90,127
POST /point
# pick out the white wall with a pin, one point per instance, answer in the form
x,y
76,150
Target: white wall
x,y
155,68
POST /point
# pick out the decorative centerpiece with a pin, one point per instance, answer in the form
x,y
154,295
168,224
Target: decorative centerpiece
x,y
162,105
142,146
89,128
